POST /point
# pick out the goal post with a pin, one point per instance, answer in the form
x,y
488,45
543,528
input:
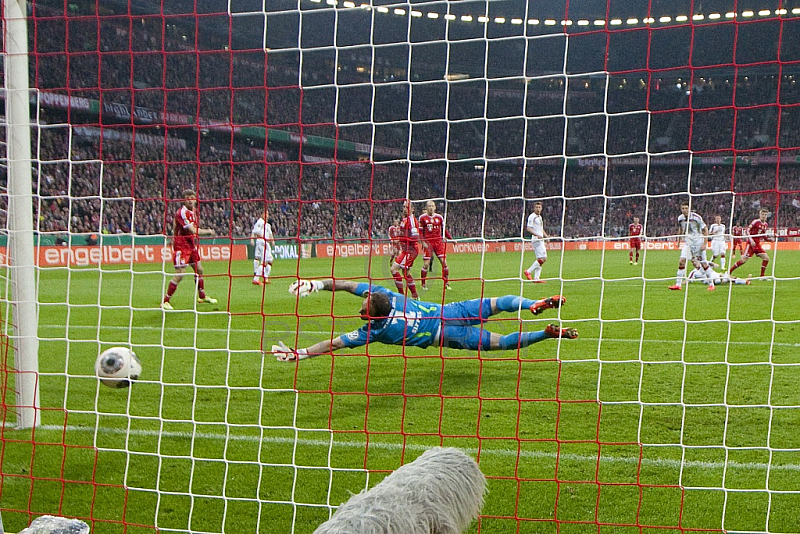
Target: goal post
x,y
22,313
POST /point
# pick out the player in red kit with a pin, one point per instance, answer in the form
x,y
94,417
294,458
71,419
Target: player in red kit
x,y
184,249
635,231
394,239
409,236
432,227
738,240
755,234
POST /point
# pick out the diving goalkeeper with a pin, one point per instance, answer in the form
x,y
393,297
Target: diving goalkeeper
x,y
395,320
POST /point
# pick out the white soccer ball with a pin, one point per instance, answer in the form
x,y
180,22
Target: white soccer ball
x,y
117,367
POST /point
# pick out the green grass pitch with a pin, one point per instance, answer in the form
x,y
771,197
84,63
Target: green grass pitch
x,y
673,410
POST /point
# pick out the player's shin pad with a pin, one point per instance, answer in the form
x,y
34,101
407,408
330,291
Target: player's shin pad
x,y
285,354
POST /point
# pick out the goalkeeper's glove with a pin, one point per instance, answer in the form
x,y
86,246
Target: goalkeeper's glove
x,y
285,354
303,288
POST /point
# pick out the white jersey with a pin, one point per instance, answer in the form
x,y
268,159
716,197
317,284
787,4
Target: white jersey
x,y
692,227
262,233
717,232
535,223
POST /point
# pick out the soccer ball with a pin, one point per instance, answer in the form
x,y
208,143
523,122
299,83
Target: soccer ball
x,y
117,367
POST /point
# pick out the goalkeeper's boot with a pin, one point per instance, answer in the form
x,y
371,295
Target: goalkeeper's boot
x,y
553,330
556,301
209,300
166,306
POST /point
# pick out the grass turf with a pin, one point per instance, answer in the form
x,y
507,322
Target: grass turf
x,y
673,410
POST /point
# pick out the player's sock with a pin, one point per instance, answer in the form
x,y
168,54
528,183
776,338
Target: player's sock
x,y
266,269
637,256
679,277
517,339
537,270
764,266
511,303
398,281
170,290
736,266
630,256
445,273
423,275
256,268
201,286
412,286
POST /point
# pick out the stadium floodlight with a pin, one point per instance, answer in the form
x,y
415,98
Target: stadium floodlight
x,y
399,11
382,9
449,16
349,4
764,13
600,22
466,18
698,16
549,22
665,19
632,21
583,22
681,18
516,21
500,20
730,15
781,11
533,22
416,14
483,19
615,22
747,13
433,15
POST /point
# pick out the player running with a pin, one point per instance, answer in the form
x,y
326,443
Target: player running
x,y
694,232
535,227
432,227
755,234
184,249
719,245
635,231
409,237
262,239
393,319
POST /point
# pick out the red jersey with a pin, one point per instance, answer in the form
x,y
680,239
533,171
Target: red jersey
x,y
737,231
757,231
635,230
409,232
432,227
184,237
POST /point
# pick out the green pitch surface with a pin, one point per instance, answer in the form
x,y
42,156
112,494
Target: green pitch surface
x,y
673,410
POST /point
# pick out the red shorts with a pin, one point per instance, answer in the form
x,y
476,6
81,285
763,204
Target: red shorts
x,y
437,247
753,250
406,258
636,243
738,242
185,256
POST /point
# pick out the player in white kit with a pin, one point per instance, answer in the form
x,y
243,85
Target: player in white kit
x,y
263,241
535,227
694,232
719,241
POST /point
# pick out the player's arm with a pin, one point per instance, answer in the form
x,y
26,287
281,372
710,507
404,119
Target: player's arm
x,y
286,354
253,237
303,288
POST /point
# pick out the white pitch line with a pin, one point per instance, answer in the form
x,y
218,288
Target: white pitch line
x,y
592,459
327,333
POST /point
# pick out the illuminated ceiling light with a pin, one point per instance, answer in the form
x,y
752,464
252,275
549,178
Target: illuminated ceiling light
x,y
450,16
583,22
533,22
466,18
714,16
665,19
681,18
698,17
483,19
332,2
549,22
649,20
500,20
399,11
730,15
316,1
416,14
516,21
615,22
796,11
747,13
366,6
433,15
781,11
599,22
382,9
764,13
349,4
566,23
632,21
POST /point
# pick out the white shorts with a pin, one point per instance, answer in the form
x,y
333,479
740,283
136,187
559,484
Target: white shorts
x,y
539,249
263,254
718,248
694,250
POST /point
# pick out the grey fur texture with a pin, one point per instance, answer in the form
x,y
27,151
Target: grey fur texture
x,y
440,492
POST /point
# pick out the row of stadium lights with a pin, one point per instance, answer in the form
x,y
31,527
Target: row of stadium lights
x,y
553,22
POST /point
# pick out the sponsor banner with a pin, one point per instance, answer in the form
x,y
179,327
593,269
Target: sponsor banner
x,y
55,256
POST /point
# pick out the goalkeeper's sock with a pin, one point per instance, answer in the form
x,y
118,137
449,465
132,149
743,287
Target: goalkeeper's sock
x,y
764,266
511,303
521,340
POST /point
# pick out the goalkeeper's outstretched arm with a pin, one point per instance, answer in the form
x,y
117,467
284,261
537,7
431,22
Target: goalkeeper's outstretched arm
x,y
303,288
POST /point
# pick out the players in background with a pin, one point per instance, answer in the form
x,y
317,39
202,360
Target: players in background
x,y
262,240
719,245
535,227
184,249
694,232
755,234
432,227
409,236
635,232
394,239
738,241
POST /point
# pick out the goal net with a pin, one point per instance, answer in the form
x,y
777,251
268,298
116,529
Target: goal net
x,y
673,411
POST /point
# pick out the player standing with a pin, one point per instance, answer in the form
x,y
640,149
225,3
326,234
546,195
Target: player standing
x,y
719,246
755,234
535,227
394,233
184,249
432,228
635,232
694,232
262,239
409,236
738,241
